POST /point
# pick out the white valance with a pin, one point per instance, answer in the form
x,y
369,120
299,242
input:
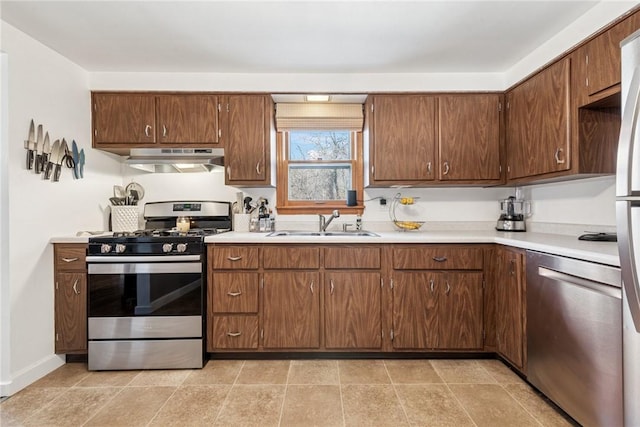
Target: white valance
x,y
319,116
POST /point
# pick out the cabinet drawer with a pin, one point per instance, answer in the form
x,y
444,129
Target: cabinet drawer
x,y
233,257
352,257
233,292
437,258
291,257
70,257
234,332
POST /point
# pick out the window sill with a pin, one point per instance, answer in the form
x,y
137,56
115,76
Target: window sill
x,y
319,209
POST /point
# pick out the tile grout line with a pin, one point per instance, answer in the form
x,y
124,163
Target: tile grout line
x,y
453,394
168,398
284,398
395,391
226,398
344,418
103,406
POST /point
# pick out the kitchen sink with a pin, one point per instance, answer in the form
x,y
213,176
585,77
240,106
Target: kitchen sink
x,y
285,233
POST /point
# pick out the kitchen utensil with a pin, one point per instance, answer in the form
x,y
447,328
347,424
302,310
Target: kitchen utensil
x,y
81,161
135,197
247,204
46,150
39,147
62,153
513,212
55,150
68,157
74,151
117,201
118,191
134,186
30,144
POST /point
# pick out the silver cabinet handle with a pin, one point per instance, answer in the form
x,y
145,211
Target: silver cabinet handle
x,y
147,130
234,294
429,167
431,285
448,288
439,258
446,168
258,168
311,287
70,259
75,287
234,258
557,156
234,334
164,131
512,270
331,287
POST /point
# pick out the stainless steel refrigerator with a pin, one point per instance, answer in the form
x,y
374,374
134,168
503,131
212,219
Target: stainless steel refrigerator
x,y
628,224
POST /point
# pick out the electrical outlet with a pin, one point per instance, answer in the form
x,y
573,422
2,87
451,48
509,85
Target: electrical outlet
x,y
383,201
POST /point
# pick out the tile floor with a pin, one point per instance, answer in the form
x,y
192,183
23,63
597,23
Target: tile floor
x,y
286,393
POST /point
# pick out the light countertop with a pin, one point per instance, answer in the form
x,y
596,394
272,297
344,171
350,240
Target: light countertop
x,y
557,244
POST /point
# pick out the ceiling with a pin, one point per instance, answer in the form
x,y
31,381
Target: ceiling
x,y
293,36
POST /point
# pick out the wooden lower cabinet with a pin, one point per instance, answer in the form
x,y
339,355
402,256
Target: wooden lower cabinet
x,y
291,310
352,310
510,305
437,310
70,275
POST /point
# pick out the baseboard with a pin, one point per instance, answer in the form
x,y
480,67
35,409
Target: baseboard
x,y
31,374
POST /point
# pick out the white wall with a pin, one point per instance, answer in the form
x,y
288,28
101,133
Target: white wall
x,y
54,92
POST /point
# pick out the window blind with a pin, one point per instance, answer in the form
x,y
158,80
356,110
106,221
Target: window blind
x,y
319,116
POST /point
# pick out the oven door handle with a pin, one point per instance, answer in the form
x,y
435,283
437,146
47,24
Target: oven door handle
x,y
145,259
145,268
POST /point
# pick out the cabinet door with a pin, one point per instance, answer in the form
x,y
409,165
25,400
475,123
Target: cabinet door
x,y
124,118
460,310
291,310
538,128
191,119
71,312
469,137
247,141
510,306
403,138
415,310
353,309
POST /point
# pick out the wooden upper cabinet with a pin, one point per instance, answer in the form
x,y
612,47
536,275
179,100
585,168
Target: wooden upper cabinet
x,y
469,142
538,123
187,119
120,118
247,138
403,138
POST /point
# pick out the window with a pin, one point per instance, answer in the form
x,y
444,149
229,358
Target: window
x,y
316,168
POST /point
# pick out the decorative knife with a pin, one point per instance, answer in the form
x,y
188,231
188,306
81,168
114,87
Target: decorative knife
x,y
74,151
62,151
46,150
55,150
30,144
81,160
39,146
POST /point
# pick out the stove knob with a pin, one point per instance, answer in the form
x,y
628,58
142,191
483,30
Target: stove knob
x,y
120,248
182,247
167,247
105,248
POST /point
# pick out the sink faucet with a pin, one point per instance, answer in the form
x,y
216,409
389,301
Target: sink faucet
x,y
323,221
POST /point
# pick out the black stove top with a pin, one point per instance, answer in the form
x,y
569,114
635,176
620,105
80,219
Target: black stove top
x,y
171,232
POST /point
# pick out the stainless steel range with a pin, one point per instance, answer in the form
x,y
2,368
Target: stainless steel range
x,y
147,288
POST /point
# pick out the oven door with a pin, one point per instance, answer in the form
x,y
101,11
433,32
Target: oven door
x,y
137,286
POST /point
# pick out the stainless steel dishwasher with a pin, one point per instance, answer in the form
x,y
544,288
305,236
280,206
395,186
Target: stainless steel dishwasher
x,y
574,336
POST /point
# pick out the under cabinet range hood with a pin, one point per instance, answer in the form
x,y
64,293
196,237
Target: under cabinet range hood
x,y
162,160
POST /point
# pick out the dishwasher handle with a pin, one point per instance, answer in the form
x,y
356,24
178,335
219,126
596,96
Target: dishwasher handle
x,y
578,281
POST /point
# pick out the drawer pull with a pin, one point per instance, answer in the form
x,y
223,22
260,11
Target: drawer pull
x,y
234,334
234,294
439,258
75,287
70,259
234,258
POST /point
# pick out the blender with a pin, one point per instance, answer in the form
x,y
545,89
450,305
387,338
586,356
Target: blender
x,y
513,212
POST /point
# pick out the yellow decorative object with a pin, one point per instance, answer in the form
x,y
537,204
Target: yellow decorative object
x,y
403,225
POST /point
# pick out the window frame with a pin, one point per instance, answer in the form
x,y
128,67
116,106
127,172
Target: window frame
x,y
292,207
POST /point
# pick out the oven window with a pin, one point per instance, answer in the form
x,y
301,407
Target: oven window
x,y
143,294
